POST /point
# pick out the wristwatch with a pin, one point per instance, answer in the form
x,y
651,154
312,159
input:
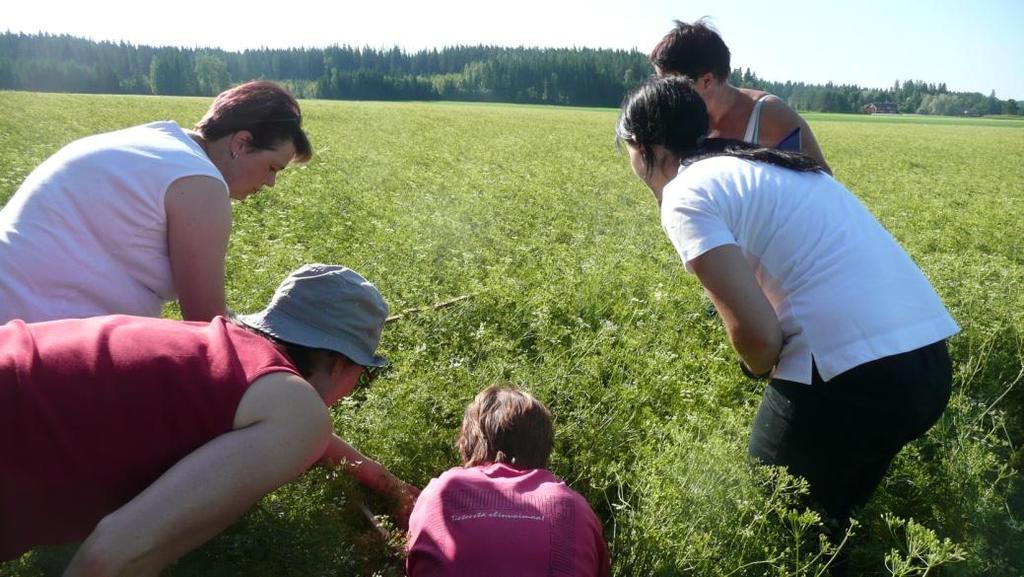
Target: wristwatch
x,y
746,371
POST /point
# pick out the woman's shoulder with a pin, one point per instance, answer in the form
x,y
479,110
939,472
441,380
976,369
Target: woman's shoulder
x,y
456,475
778,120
139,134
492,474
725,180
755,95
159,146
455,479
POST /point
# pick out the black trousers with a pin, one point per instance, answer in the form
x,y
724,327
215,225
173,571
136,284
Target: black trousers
x,y
842,435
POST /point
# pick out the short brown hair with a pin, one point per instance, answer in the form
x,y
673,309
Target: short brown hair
x,y
506,425
692,50
264,109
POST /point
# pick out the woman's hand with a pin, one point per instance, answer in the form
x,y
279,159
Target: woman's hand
x,y
404,496
373,476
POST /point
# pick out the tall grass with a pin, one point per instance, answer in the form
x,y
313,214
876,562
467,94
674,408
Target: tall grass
x,y
576,295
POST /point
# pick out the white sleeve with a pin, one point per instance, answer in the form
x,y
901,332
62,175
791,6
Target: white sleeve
x,y
694,223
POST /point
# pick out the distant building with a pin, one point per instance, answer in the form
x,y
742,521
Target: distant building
x,y
882,108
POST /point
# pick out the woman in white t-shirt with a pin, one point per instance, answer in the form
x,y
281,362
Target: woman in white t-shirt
x,y
814,293
122,222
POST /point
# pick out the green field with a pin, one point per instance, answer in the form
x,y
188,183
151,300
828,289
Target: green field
x,y
991,121
577,295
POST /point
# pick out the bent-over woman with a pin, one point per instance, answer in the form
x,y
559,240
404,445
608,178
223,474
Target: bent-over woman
x,y
123,222
815,295
147,437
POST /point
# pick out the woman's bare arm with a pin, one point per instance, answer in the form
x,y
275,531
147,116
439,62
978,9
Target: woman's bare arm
x,y
749,318
281,428
198,228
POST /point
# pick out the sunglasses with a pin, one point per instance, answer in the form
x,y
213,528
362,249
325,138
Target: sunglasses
x,y
370,374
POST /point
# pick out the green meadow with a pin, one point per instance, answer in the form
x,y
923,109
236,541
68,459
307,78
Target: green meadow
x,y
574,293
993,121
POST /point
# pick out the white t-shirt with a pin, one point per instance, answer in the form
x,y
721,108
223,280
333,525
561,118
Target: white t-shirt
x,y
86,233
844,291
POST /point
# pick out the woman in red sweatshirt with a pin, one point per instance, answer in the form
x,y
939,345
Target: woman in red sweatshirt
x,y
147,437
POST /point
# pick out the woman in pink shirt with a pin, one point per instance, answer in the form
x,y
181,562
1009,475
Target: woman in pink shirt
x,y
503,513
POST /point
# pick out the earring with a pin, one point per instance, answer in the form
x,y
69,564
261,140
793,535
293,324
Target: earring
x,y
234,155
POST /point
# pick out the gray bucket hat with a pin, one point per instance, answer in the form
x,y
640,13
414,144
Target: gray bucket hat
x,y
326,306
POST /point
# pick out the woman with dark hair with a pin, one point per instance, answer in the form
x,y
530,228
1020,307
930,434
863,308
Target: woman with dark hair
x,y
125,221
697,52
503,512
147,437
814,293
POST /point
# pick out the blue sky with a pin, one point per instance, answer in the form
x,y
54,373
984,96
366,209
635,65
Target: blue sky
x,y
973,46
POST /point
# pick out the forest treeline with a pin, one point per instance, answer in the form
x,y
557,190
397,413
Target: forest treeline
x,y
565,76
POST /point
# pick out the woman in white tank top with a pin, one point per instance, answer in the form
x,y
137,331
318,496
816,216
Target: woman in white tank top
x,y
697,52
120,223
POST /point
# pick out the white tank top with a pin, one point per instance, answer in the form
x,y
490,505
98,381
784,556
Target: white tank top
x,y
86,233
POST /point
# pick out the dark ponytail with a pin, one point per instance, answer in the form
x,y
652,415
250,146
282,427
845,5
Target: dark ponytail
x,y
668,111
710,147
